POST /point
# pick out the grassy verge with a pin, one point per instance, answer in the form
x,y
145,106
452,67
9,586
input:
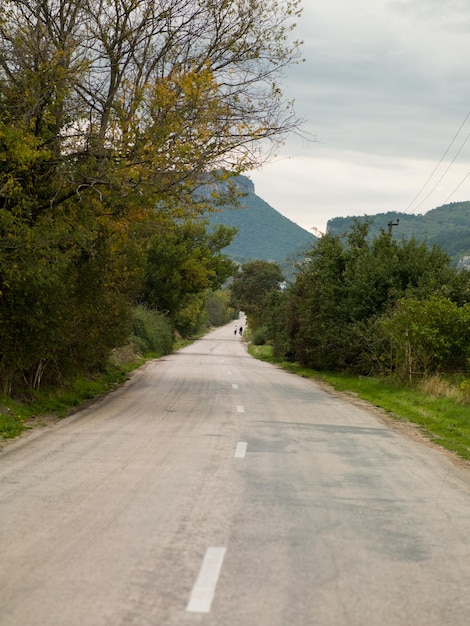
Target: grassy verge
x,y
32,410
440,410
37,408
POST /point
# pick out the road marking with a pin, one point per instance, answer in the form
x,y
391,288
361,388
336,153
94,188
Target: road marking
x,y
240,408
203,591
234,385
241,450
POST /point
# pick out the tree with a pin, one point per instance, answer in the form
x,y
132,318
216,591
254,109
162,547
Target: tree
x,y
251,287
425,337
348,283
112,114
184,263
144,95
217,306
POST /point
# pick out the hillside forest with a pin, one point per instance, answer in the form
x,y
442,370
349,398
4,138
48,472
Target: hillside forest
x,y
447,226
112,114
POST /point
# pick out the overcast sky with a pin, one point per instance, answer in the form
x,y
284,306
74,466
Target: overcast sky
x,y
385,91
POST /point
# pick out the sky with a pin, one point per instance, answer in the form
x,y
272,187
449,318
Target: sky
x,y
384,94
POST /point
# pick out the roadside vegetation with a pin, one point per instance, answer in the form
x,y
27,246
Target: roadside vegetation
x,y
122,128
385,320
439,406
151,337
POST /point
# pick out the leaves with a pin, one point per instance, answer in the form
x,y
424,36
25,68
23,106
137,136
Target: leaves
x,y
348,288
112,115
183,263
252,286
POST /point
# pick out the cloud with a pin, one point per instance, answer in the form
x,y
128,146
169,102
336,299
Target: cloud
x,y
448,14
384,90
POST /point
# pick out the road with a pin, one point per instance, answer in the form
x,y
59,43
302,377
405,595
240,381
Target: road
x,y
217,490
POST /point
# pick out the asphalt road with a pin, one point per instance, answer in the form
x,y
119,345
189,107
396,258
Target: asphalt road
x,y
215,489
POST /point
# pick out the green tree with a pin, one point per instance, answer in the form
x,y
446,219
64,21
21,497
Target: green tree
x,y
184,263
348,283
219,311
422,337
145,95
112,114
251,287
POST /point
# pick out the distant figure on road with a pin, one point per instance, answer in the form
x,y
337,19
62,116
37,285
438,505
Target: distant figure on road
x,y
236,330
241,330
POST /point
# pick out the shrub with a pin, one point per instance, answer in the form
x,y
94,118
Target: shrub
x,y
259,336
427,336
465,389
152,333
218,310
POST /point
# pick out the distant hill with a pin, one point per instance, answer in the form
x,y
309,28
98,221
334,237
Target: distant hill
x,y
447,226
263,233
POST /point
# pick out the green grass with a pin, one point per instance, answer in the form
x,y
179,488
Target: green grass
x,y
445,420
10,425
17,416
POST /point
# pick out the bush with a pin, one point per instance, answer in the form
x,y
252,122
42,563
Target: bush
x,y
152,333
218,310
259,336
427,336
465,390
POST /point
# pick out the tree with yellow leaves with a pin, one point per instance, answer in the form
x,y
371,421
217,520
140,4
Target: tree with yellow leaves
x,y
112,114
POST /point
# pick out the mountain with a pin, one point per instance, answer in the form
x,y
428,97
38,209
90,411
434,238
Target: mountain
x,y
447,226
263,233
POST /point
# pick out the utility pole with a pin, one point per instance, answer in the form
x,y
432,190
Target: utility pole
x,y
391,224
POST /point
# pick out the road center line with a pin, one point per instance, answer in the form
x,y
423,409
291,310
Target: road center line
x,y
234,386
203,591
241,450
240,408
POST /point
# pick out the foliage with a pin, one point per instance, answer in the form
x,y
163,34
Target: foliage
x,y
465,389
425,336
146,95
112,114
275,314
57,402
259,336
151,332
183,263
251,287
65,294
219,311
10,425
443,419
348,283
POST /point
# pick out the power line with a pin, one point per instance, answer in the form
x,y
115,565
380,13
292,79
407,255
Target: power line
x,y
458,187
437,166
445,172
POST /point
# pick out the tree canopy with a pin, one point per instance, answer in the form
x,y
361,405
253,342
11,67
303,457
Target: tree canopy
x,y
380,305
112,114
252,285
142,96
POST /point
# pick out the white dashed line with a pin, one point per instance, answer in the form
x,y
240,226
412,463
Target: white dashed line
x,y
241,450
240,408
203,591
234,386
